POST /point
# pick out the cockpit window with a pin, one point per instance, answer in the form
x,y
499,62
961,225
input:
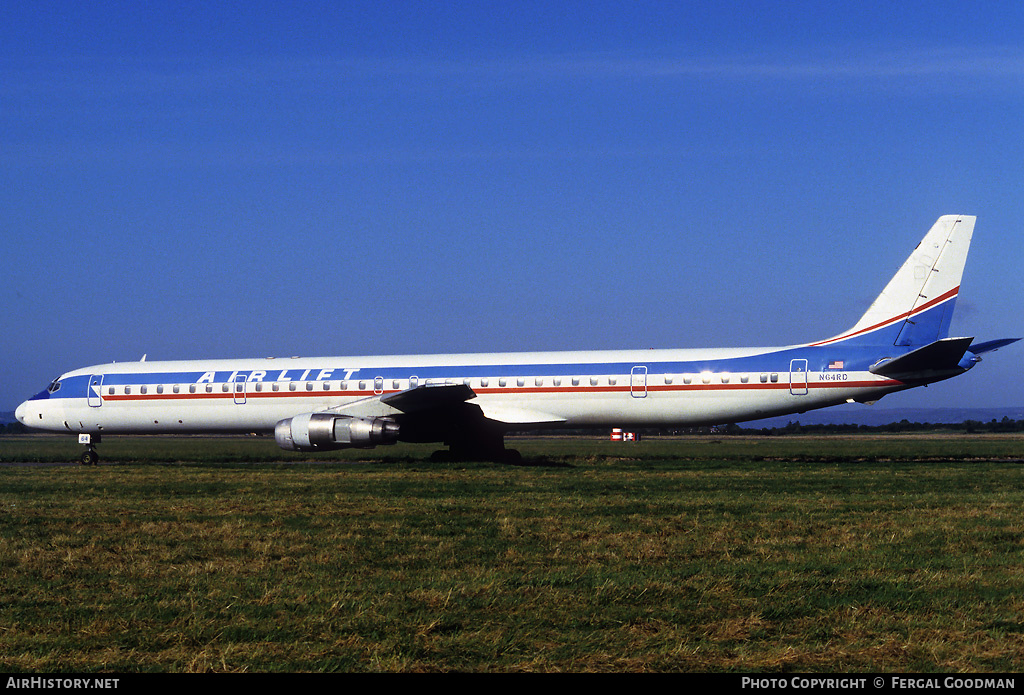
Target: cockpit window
x,y
54,387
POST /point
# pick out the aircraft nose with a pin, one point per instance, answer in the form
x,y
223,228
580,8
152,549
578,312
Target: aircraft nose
x,y
21,413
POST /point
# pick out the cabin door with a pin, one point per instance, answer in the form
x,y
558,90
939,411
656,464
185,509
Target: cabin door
x,y
638,382
238,388
94,396
798,377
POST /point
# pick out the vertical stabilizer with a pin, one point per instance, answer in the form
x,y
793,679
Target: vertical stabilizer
x,y
915,308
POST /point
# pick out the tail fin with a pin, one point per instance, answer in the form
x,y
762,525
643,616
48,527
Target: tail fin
x,y
915,308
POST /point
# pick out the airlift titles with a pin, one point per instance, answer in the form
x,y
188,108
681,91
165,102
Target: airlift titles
x,y
259,375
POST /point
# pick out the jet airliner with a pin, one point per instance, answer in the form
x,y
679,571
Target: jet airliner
x,y
470,401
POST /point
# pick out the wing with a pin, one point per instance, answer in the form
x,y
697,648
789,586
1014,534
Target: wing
x,y
424,397
437,400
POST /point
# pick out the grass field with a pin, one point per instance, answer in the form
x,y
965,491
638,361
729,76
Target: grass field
x,y
882,553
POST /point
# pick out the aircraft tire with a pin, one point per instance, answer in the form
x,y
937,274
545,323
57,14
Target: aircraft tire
x,y
89,458
512,457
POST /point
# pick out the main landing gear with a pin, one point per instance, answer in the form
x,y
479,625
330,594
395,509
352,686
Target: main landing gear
x,y
89,457
479,445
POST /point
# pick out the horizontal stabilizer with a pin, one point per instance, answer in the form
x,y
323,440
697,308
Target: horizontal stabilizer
x,y
991,345
935,359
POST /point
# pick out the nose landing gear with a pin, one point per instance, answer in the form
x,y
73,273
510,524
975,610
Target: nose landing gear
x,y
89,457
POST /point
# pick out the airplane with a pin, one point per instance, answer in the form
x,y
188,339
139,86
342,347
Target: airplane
x,y
470,401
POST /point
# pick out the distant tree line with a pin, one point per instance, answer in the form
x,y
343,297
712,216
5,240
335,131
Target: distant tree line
x,y
794,427
13,428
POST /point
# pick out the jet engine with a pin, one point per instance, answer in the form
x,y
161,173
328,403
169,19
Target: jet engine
x,y
325,431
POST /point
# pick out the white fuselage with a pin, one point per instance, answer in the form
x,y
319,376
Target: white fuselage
x,y
554,389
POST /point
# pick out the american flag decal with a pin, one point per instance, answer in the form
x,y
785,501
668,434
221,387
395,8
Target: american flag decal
x,y
838,364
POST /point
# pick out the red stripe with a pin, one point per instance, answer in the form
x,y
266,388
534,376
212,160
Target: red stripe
x,y
902,317
782,385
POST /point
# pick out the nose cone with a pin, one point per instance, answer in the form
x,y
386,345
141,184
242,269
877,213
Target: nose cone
x,y
42,413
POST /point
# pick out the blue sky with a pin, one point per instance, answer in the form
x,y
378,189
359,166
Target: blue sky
x,y
255,179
